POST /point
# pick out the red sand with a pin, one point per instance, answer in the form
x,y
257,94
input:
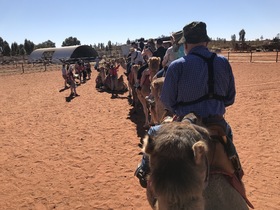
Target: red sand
x,y
82,154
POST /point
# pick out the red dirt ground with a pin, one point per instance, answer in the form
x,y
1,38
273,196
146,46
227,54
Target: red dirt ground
x,y
82,154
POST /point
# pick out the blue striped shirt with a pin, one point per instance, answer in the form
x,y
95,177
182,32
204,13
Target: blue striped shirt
x,y
186,80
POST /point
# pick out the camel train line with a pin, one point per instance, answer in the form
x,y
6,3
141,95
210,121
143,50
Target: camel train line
x,y
189,168
154,112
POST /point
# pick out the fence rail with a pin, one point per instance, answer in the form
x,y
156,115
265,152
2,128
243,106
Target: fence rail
x,y
251,56
7,69
20,68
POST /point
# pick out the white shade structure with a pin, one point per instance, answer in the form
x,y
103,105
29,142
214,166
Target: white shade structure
x,y
61,54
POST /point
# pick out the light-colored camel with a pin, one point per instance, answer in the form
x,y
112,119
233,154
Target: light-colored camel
x,y
188,170
145,90
130,81
103,81
157,109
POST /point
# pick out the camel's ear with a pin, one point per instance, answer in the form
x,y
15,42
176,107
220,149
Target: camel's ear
x,y
159,59
148,146
199,151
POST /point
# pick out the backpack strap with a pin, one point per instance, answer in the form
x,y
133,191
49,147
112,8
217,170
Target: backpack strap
x,y
210,94
135,55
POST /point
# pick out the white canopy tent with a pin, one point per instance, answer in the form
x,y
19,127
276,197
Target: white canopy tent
x,y
68,54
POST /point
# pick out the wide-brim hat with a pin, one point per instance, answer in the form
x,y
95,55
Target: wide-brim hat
x,y
177,36
194,33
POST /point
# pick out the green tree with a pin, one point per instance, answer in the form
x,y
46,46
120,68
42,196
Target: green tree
x,y
28,46
110,45
102,46
6,49
22,52
14,49
242,35
1,44
46,44
71,41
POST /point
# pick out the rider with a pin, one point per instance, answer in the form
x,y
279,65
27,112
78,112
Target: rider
x,y
204,85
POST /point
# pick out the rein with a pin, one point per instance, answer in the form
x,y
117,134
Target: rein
x,y
206,180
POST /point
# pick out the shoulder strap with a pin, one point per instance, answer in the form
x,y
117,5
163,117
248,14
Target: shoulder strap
x,y
210,63
136,55
210,94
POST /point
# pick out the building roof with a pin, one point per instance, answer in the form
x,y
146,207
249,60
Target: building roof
x,y
61,54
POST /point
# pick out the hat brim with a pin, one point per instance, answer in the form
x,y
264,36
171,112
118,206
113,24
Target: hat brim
x,y
177,36
183,40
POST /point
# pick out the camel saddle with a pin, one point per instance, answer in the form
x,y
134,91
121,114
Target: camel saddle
x,y
218,133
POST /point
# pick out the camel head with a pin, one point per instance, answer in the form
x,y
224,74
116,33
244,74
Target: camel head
x,y
135,68
122,62
154,64
178,163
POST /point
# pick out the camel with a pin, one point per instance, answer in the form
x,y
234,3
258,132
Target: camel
x,y
130,78
144,91
100,78
103,81
190,170
131,88
157,109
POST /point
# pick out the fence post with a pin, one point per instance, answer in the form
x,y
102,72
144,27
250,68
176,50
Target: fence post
x,y
22,67
228,56
251,57
277,56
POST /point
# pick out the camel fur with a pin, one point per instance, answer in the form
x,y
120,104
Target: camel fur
x,y
181,154
130,79
103,81
158,111
144,91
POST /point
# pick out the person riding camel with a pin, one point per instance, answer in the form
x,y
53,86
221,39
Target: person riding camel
x,y
211,88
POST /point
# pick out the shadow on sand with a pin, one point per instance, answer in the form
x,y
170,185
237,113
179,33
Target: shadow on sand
x,y
70,97
63,89
136,115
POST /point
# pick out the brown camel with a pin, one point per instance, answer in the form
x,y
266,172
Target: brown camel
x,y
145,90
131,88
184,163
157,109
130,80
103,81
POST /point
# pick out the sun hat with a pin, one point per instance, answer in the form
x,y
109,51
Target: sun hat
x,y
194,33
159,41
177,36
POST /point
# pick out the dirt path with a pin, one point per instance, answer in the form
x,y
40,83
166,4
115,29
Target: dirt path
x,y
82,154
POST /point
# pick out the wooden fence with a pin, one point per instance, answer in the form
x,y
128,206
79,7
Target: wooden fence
x,y
251,56
22,68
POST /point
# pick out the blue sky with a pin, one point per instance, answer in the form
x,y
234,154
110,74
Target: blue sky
x,y
93,22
